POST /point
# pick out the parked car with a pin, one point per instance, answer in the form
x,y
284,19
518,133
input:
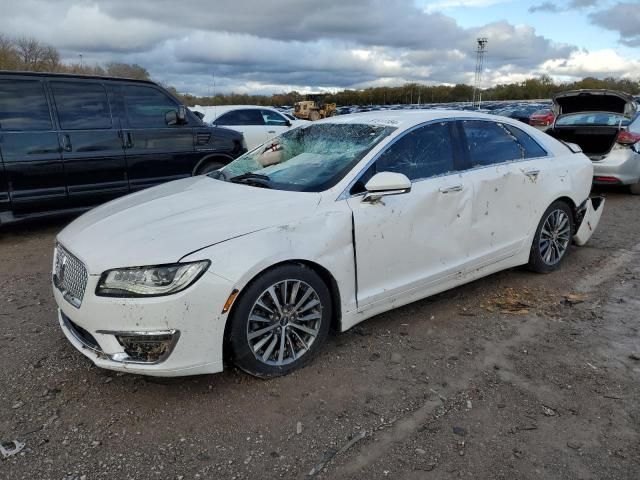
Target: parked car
x,y
521,112
70,142
542,118
325,225
605,124
257,124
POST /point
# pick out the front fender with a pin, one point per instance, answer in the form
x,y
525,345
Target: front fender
x,y
324,239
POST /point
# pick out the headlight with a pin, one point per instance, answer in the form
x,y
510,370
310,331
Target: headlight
x,y
150,281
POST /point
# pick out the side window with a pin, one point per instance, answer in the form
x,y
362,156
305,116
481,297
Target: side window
x,y
23,106
146,106
422,153
81,105
273,118
241,117
490,143
531,147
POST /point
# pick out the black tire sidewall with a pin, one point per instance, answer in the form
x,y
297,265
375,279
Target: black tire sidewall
x,y
210,167
241,354
536,263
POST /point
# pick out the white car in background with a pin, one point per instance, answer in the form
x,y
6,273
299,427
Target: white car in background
x,y
257,124
324,226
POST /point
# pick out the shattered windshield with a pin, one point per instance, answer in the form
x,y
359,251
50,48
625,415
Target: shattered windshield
x,y
312,158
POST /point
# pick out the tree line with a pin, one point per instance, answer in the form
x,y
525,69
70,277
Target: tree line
x,y
29,54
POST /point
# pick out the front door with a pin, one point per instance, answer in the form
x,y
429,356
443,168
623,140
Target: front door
x,y
156,152
92,150
30,150
250,122
411,242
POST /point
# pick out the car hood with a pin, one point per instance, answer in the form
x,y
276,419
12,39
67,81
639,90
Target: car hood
x,y
576,101
165,223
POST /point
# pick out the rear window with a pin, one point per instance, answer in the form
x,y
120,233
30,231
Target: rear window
x,y
23,106
530,146
490,143
593,118
81,105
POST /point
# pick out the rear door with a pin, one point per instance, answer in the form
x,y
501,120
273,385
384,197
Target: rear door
x,y
33,168
506,189
92,149
249,121
156,152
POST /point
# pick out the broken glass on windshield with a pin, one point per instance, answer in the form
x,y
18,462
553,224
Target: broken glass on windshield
x,y
311,158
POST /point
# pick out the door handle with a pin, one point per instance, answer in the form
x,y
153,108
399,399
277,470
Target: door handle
x,y
66,143
271,131
532,174
451,189
129,137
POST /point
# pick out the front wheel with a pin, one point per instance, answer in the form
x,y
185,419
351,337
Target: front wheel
x,y
280,321
552,239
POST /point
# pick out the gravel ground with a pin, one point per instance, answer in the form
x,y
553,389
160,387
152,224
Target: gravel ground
x,y
513,376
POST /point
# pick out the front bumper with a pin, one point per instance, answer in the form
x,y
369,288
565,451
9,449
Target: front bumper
x,y
191,320
622,164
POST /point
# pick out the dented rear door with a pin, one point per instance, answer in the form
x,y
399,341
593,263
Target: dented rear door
x,y
506,191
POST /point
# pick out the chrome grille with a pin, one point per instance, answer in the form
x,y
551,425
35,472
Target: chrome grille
x,y
69,276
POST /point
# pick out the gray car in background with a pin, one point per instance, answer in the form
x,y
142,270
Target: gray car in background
x,y
605,124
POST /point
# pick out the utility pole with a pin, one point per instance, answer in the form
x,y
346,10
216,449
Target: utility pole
x,y
480,52
81,64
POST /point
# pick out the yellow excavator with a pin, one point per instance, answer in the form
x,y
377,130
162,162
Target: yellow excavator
x,y
314,108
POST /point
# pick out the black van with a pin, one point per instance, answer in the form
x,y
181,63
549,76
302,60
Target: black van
x,y
69,142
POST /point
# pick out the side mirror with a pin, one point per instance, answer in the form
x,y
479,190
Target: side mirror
x,y
171,118
384,184
288,123
200,115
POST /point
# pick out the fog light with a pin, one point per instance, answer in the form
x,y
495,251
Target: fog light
x,y
144,347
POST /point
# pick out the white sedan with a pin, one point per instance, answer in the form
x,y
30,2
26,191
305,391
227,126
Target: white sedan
x,y
324,226
257,123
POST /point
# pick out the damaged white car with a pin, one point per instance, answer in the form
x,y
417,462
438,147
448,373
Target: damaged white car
x,y
321,227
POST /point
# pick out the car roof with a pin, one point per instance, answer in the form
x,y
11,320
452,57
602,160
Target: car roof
x,y
72,76
218,110
404,119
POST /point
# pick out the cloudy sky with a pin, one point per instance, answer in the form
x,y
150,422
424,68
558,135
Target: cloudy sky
x,y
266,46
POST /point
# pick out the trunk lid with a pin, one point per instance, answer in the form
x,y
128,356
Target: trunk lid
x,y
576,101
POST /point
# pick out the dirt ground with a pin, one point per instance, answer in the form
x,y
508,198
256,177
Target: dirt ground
x,y
516,376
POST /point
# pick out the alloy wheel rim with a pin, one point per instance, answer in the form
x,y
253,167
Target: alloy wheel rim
x,y
555,237
284,322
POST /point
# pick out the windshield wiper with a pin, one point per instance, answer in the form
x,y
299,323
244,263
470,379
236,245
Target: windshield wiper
x,y
248,177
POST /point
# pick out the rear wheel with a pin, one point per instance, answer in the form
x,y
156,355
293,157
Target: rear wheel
x,y
314,115
280,321
552,239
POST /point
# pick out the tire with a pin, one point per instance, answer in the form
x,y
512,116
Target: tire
x,y
290,341
209,167
549,249
314,115
635,188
